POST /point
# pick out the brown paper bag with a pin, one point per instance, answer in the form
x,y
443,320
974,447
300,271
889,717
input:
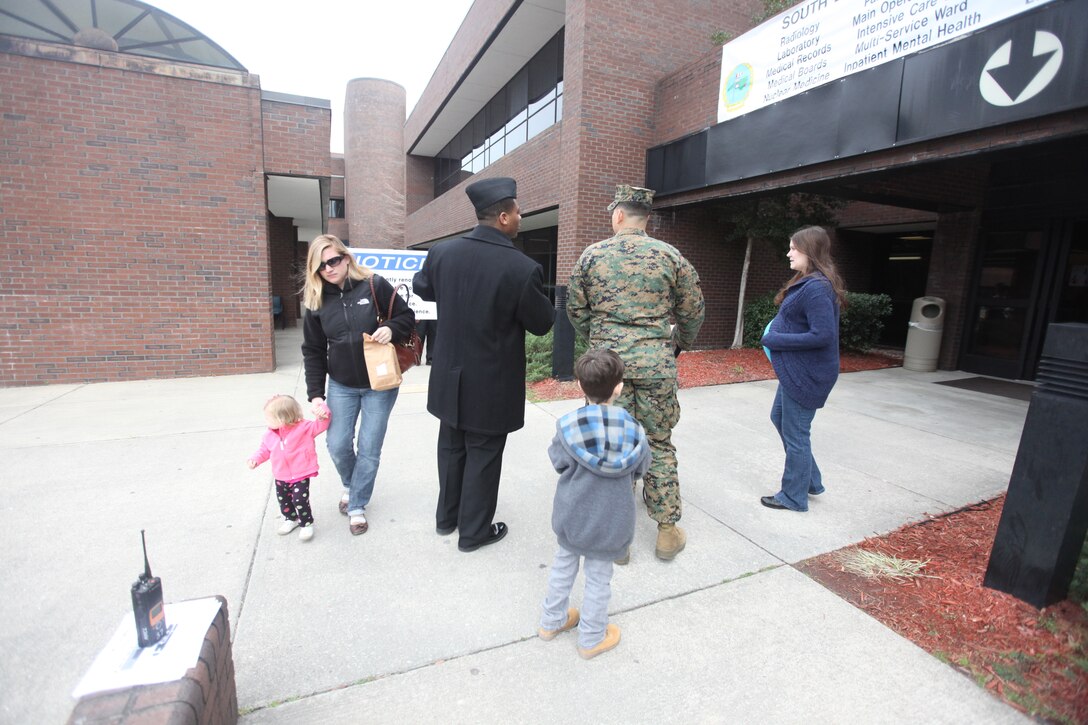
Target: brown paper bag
x,y
381,364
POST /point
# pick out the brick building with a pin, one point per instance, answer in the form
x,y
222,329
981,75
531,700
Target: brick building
x,y
572,97
157,176
152,198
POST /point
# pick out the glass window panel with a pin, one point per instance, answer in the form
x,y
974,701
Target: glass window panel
x,y
547,98
516,120
544,118
496,151
559,109
515,137
478,163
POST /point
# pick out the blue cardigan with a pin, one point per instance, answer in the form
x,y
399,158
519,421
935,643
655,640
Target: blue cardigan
x,y
804,341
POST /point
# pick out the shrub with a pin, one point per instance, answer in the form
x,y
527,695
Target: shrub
x,y
757,313
859,327
863,320
538,355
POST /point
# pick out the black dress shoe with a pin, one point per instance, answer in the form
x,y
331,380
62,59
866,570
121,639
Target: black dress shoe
x,y
445,530
498,531
770,502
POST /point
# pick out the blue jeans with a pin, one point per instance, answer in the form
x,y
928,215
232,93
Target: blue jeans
x,y
357,460
801,476
594,614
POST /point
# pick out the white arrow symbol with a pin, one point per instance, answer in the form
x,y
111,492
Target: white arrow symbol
x,y
991,90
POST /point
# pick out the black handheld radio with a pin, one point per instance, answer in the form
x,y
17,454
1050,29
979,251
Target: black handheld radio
x,y
147,604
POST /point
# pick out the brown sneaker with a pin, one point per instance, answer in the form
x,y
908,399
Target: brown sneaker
x,y
358,525
572,621
611,639
344,504
670,541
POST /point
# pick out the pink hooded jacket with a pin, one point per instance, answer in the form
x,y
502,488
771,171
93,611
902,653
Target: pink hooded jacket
x,y
292,449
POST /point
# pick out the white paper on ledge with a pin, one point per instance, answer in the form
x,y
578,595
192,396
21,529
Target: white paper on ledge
x,y
123,663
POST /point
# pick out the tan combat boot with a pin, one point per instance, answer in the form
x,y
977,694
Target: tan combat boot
x,y
670,541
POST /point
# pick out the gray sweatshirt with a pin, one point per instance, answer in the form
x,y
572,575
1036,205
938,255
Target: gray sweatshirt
x,y
598,451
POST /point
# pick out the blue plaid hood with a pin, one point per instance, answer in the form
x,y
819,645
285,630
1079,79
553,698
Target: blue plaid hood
x,y
603,438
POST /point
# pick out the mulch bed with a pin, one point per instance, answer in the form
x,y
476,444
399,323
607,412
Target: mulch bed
x,y
719,367
1037,660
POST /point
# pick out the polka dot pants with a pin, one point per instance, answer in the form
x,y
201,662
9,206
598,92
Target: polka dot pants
x,y
294,501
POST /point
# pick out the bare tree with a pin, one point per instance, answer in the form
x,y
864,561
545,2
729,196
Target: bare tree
x,y
772,218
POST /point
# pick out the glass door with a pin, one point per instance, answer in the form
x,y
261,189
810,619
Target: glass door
x,y
1006,282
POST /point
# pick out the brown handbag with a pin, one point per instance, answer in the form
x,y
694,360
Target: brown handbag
x,y
409,352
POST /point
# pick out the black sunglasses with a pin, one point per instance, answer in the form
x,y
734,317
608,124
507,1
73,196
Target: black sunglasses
x,y
330,262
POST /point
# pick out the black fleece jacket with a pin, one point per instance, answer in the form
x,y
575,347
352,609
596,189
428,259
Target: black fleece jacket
x,y
332,336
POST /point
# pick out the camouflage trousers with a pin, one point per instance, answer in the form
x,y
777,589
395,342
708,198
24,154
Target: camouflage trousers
x,y
652,402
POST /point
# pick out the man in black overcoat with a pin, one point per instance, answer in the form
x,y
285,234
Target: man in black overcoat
x,y
489,294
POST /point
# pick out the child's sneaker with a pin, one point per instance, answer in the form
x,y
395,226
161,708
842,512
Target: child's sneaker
x,y
611,639
306,533
287,527
572,621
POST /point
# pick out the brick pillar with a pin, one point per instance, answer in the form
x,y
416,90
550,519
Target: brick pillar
x,y
950,278
206,695
374,163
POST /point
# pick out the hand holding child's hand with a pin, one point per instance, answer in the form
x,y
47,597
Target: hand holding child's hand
x,y
251,464
320,410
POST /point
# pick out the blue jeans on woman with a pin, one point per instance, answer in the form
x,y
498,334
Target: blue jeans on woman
x,y
357,460
801,476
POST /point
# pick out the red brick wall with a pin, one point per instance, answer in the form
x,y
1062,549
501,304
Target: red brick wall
x,y
687,100
296,139
143,182
284,252
949,270
613,60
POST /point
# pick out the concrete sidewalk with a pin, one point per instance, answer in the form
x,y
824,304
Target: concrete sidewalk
x,y
397,625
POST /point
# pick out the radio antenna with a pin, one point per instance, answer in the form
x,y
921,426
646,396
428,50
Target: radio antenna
x,y
147,564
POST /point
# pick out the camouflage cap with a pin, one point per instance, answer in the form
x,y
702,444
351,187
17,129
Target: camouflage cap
x,y
633,195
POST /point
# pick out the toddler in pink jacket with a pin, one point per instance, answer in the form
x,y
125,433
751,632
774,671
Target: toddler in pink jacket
x,y
289,442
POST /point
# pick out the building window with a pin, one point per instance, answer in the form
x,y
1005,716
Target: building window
x,y
529,103
336,208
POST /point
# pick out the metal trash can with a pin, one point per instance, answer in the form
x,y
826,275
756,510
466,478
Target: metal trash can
x,y
924,335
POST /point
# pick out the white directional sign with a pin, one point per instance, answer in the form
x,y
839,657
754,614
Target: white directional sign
x,y
820,41
1016,64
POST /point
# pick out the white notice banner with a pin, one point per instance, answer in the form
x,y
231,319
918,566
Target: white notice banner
x,y
818,41
398,266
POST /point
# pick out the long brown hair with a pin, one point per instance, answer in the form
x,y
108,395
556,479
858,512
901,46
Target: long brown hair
x,y
814,243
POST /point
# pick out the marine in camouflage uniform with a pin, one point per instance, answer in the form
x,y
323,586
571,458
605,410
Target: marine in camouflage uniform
x,y
624,292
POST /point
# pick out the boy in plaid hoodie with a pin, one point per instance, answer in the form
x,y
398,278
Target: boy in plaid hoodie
x,y
599,451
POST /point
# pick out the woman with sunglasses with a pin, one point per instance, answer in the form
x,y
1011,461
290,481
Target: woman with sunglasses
x,y
339,309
